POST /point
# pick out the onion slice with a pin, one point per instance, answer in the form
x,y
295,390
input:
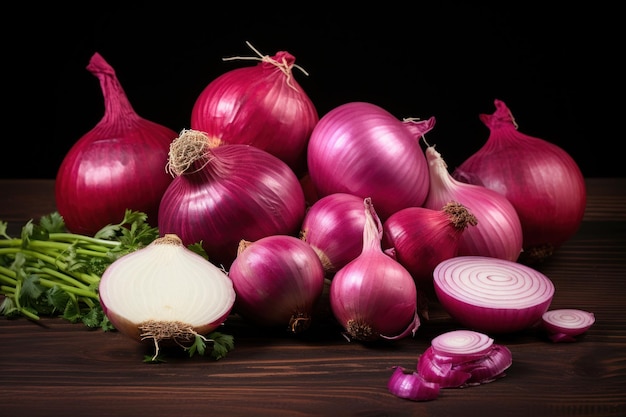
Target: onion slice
x,y
412,386
565,324
491,294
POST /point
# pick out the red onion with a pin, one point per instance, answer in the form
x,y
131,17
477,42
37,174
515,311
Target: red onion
x,y
221,195
165,292
359,148
333,226
564,325
263,106
420,238
374,297
278,280
117,165
541,180
498,232
491,294
462,358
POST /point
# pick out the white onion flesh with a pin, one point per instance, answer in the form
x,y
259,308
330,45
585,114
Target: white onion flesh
x,y
165,283
461,342
491,294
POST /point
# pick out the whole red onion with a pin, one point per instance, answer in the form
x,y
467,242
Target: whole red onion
x,y
542,181
359,148
333,226
223,194
374,297
263,106
118,165
278,280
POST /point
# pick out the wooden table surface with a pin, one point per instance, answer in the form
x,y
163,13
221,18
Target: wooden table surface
x,y
53,367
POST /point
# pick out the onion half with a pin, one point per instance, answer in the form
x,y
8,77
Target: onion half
x,y
165,292
492,295
564,325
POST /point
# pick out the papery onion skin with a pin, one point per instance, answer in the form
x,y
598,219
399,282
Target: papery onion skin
x,y
374,297
117,165
540,179
564,325
498,232
168,287
333,226
230,193
263,106
420,238
492,295
359,148
278,280
411,386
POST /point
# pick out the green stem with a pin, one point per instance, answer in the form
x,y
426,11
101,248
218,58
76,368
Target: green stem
x,y
74,290
73,237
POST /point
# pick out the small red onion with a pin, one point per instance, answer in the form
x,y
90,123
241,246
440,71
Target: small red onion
x,y
263,106
420,238
564,325
498,232
543,182
333,226
359,148
462,358
492,295
116,166
278,280
374,297
221,195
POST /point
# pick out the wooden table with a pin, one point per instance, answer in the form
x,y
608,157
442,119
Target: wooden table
x,y
57,368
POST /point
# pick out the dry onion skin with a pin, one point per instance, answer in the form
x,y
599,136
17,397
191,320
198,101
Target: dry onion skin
x,y
165,292
492,295
564,325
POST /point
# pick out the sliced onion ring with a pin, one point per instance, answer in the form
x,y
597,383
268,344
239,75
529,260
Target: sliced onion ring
x,y
565,324
491,294
461,342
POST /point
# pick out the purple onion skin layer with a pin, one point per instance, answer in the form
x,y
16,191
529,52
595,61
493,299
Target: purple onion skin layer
x,y
118,165
541,180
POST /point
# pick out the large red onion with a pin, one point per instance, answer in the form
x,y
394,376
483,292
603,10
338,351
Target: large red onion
x,y
498,232
223,194
374,297
117,165
263,106
359,148
333,226
278,280
492,295
542,181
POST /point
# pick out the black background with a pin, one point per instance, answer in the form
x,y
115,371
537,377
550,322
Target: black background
x,y
556,69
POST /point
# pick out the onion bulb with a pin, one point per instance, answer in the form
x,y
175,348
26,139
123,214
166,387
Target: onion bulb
x,y
420,238
498,232
262,106
359,148
492,295
165,292
223,194
333,226
278,280
117,165
374,297
541,180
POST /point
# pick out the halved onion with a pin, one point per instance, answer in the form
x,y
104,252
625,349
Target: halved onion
x,y
492,295
565,324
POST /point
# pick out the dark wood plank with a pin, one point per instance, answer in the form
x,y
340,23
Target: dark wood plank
x,y
58,368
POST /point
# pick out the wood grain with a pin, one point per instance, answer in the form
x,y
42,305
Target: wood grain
x,y
54,367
